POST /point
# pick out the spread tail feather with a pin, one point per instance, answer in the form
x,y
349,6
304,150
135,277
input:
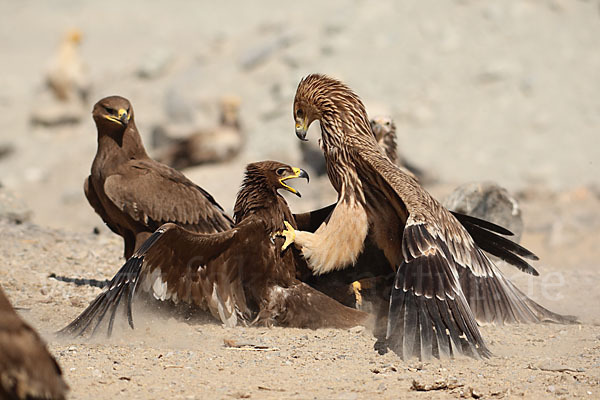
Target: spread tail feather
x,y
121,287
425,326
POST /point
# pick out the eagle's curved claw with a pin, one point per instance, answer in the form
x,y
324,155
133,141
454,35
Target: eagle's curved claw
x,y
289,234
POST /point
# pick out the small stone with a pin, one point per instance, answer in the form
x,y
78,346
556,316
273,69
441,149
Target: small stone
x,y
48,112
6,149
12,208
260,53
550,389
154,64
357,329
498,71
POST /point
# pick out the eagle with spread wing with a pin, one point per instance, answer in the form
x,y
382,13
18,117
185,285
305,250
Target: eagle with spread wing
x,y
443,281
134,194
27,369
240,275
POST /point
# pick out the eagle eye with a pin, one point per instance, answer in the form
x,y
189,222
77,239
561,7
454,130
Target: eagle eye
x,y
300,113
280,171
109,110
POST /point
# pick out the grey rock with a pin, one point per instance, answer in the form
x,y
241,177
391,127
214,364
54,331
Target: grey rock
x,y
49,113
12,208
488,201
260,53
178,107
6,149
154,64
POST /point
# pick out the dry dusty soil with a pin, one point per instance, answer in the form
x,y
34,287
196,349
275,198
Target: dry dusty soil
x,y
480,90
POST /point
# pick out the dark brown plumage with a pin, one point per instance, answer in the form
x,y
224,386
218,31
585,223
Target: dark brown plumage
x,y
443,281
134,194
27,369
240,275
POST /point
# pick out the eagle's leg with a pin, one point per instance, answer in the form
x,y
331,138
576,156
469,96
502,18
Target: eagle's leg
x,y
356,287
337,243
289,234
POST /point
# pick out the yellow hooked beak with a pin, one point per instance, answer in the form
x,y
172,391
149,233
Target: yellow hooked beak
x,y
297,173
122,118
301,128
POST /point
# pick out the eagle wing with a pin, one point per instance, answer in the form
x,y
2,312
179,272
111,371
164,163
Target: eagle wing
x,y
173,264
92,197
445,281
27,369
148,192
429,314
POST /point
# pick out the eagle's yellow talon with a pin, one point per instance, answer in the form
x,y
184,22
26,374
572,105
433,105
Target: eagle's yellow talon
x,y
289,234
356,288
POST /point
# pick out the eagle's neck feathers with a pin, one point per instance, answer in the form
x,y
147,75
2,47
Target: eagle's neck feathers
x,y
257,197
119,146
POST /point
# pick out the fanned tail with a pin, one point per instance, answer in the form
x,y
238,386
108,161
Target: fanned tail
x,y
425,326
121,287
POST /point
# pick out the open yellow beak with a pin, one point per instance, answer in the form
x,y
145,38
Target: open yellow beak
x,y
298,173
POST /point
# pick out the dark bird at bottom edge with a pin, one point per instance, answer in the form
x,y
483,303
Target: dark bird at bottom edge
x,y
27,369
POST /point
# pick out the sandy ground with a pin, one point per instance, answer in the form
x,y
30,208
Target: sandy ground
x,y
177,353
503,91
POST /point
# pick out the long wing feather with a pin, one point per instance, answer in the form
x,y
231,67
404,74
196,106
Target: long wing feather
x,y
427,302
152,192
171,264
464,241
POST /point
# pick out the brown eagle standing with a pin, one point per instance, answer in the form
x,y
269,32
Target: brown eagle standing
x,y
27,369
134,194
239,275
443,280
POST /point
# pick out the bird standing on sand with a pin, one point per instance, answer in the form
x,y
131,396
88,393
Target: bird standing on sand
x,y
134,194
68,75
218,144
27,369
443,280
240,275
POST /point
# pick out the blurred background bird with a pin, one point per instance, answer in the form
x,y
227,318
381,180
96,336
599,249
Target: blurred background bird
x,y
67,84
212,145
68,75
